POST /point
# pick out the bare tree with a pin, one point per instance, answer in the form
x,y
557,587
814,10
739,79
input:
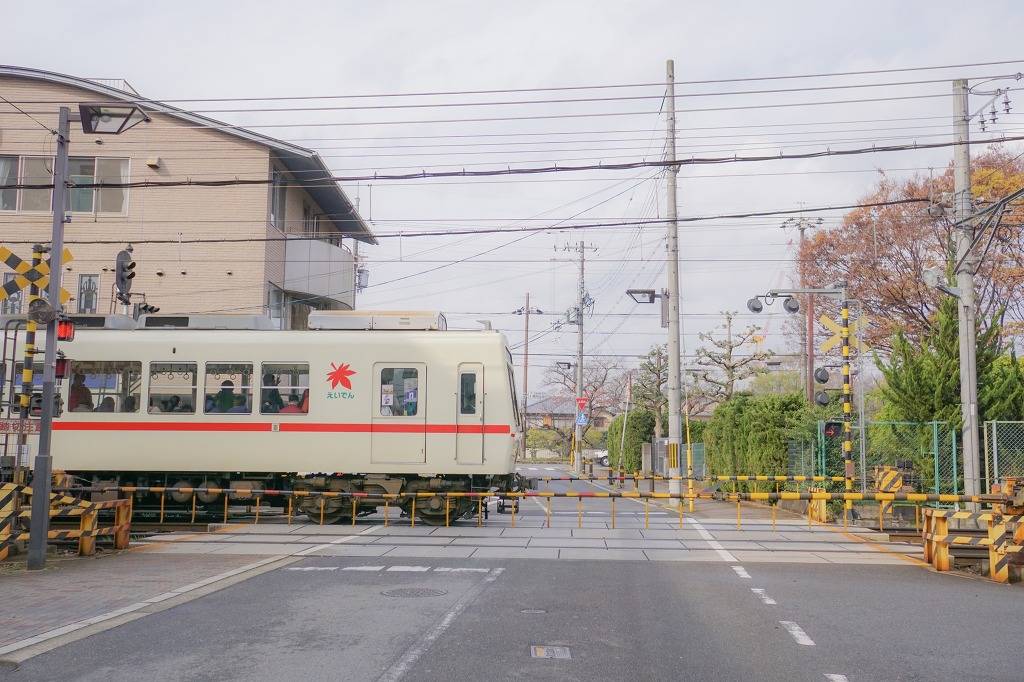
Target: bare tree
x,y
603,385
649,385
725,365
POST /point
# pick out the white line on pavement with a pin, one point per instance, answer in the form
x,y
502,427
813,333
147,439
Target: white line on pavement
x,y
712,542
363,568
446,569
408,569
406,662
763,595
312,568
798,632
741,572
345,538
836,678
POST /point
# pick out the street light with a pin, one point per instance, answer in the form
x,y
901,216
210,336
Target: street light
x,y
642,295
110,118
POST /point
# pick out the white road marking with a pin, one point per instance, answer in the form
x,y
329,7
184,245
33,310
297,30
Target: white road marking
x,y
312,568
406,662
446,569
763,595
798,632
363,568
408,569
836,678
344,538
741,572
550,469
712,542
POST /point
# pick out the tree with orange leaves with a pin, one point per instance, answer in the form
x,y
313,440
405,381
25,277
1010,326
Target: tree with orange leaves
x,y
881,252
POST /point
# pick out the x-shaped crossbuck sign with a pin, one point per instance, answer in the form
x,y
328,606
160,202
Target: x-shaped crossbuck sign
x,y
26,275
837,334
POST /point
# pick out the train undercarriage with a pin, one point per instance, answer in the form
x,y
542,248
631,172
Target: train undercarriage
x,y
204,493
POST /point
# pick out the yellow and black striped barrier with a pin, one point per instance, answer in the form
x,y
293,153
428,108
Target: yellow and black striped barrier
x,y
1002,535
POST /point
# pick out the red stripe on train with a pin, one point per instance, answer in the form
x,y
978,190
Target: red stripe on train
x,y
302,427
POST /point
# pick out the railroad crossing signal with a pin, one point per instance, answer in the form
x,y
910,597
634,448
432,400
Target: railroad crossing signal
x,y
26,275
836,338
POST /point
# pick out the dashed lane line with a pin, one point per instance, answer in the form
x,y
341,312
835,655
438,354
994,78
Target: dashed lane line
x,y
834,677
741,572
338,541
760,592
413,653
363,568
712,542
797,632
312,568
408,569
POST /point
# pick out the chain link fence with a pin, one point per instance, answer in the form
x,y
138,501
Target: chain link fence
x,y
1003,444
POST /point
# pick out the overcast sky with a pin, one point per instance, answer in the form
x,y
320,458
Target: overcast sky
x,y
265,49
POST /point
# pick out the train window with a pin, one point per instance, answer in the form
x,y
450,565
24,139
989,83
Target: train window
x,y
515,403
172,387
228,388
285,388
105,386
467,393
399,391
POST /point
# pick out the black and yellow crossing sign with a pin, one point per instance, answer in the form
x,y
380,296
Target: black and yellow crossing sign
x,y
837,334
26,275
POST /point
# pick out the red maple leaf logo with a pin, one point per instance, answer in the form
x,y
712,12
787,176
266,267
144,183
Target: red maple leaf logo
x,y
340,375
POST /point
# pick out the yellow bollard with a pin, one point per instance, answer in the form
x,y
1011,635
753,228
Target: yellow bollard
x,y
289,509
774,510
738,522
353,511
479,510
579,512
257,510
226,509
881,517
917,518
548,512
846,517
647,514
680,515
385,512
613,513
321,510
447,507
161,506
412,516
809,513
514,504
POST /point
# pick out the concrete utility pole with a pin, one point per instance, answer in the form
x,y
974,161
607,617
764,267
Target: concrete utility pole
x,y
526,310
966,311
674,345
582,301
803,224
40,523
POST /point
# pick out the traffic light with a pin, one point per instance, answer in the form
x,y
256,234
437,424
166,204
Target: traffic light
x,y
145,309
65,330
821,376
833,429
124,273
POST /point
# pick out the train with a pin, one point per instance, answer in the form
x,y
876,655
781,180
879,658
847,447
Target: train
x,y
360,402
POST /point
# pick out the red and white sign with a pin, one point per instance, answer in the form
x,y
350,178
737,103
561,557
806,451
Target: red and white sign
x,y
581,403
19,426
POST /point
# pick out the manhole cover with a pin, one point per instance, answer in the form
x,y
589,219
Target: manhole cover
x,y
413,592
532,611
550,652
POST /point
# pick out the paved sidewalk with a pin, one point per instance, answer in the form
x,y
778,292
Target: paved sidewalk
x,y
74,590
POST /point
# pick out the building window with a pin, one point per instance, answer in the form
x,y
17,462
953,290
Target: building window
x,y
81,171
112,199
228,388
88,293
310,221
105,386
8,176
285,388
36,170
172,387
277,197
399,391
12,304
276,305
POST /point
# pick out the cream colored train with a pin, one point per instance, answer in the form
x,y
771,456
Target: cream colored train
x,y
369,402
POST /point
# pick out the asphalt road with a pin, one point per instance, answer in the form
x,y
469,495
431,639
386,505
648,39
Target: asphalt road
x,y
618,619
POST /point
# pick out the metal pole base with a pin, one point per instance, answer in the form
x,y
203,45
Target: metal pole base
x,y
39,525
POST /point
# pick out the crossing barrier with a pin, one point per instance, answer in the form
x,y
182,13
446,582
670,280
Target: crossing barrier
x,y
14,520
1001,535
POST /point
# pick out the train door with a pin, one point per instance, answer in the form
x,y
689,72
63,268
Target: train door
x,y
398,423
469,414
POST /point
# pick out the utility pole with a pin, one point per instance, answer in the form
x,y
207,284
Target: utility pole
x,y
803,224
674,346
963,209
582,300
40,522
526,310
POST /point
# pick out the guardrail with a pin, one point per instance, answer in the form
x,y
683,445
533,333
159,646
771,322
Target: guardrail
x,y
1001,536
14,519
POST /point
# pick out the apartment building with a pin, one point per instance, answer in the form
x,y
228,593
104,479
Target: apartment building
x,y
282,246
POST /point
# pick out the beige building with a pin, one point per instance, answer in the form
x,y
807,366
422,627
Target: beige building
x,y
289,240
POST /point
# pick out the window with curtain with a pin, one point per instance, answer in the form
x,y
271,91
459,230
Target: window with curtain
x,y
277,197
8,176
81,170
112,199
36,170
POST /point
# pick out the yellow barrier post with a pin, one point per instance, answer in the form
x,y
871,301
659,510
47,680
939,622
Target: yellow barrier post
x,y
122,523
412,516
193,507
739,524
613,513
579,512
775,508
647,516
353,511
514,504
386,512
321,510
87,528
161,506
681,513
881,516
289,508
998,570
479,510
257,520
548,514
809,513
226,509
917,518
940,550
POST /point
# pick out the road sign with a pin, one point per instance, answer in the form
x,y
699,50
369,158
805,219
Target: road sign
x,y
836,338
581,403
25,275
19,426
581,419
